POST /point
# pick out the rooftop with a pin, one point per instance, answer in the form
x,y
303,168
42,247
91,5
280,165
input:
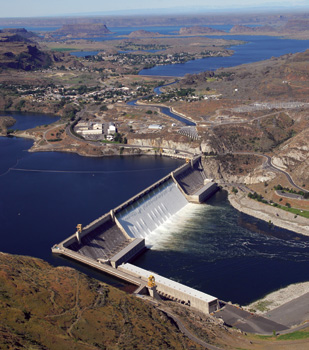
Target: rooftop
x,y
168,282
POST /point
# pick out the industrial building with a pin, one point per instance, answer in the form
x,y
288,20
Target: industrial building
x,y
174,290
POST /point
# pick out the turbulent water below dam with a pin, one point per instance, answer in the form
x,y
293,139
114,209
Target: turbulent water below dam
x,y
147,214
216,249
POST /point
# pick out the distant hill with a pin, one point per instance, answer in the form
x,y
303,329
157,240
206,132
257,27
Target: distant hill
x,y
250,30
143,33
18,52
21,32
83,29
199,30
296,25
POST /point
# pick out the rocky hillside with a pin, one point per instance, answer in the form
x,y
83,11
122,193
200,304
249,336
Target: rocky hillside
x,y
263,107
293,157
296,25
21,32
143,34
42,307
83,30
18,52
285,78
251,30
199,30
5,124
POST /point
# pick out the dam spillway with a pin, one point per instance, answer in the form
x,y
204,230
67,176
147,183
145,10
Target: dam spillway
x,y
146,214
119,236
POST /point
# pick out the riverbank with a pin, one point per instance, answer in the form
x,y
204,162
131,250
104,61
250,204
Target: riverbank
x,y
5,123
278,298
172,112
270,214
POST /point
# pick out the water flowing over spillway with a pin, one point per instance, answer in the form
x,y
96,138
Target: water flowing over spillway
x,y
151,211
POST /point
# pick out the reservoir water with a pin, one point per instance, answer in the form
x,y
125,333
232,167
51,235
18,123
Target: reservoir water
x,y
257,48
26,121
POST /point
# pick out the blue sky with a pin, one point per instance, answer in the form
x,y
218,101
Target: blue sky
x,y
33,8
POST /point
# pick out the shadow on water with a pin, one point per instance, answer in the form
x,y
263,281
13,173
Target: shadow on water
x,y
264,228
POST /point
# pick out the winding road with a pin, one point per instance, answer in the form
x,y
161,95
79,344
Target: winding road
x,y
269,164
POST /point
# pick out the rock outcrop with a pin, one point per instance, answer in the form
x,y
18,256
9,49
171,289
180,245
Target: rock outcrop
x,y
161,142
293,157
83,29
249,30
143,34
199,30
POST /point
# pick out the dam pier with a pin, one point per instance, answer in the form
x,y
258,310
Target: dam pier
x,y
110,242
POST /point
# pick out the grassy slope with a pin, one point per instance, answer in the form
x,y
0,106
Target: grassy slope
x,y
42,307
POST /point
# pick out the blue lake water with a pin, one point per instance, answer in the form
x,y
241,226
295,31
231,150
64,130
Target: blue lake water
x,y
164,30
83,53
26,121
43,196
256,49
166,110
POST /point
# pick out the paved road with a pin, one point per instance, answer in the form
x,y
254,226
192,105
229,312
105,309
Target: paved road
x,y
247,322
292,313
289,195
270,165
186,332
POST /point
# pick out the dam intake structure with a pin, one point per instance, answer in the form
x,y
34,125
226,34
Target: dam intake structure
x,y
116,238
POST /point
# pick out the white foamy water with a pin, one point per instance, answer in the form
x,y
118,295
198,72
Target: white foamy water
x,y
151,211
169,235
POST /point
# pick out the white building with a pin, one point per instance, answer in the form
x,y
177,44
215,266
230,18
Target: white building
x,y
155,127
89,128
111,129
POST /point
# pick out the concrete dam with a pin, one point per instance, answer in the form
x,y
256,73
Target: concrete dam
x,y
116,238
146,214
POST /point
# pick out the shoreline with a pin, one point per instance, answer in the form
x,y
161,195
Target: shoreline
x,y
278,298
275,216
283,296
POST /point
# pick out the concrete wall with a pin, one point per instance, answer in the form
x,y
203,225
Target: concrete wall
x,y
203,194
96,223
199,300
141,194
136,247
87,229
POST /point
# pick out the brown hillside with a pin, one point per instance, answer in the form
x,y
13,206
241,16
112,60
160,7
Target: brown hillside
x,y
42,307
94,29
